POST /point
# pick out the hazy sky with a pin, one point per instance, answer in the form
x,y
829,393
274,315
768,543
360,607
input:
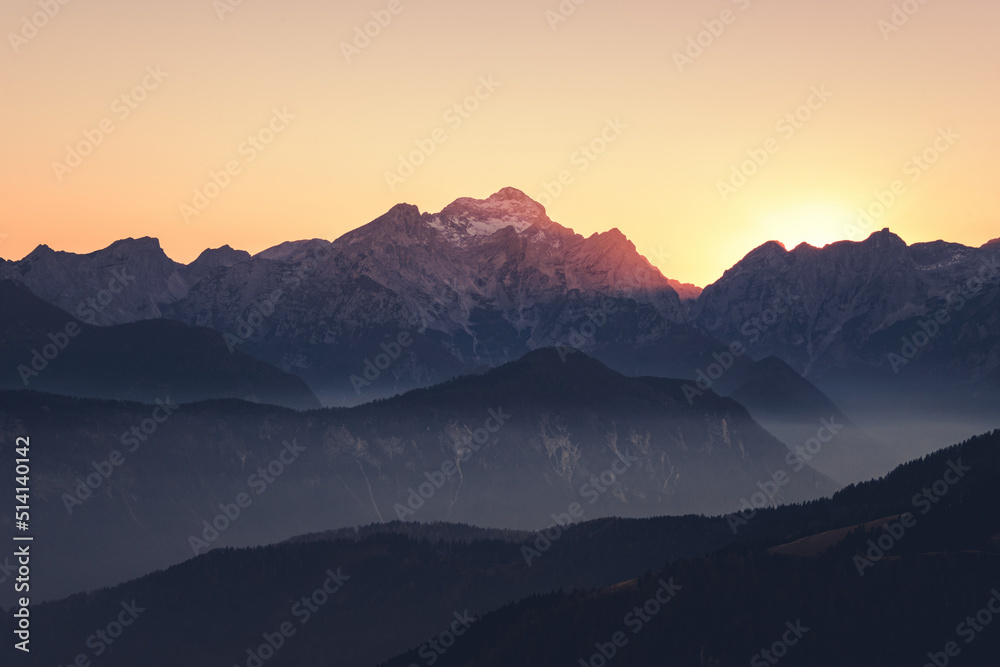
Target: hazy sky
x,y
198,80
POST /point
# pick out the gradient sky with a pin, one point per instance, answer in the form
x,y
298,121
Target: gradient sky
x,y
324,174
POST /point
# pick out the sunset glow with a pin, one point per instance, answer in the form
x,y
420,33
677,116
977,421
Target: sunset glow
x,y
690,107
818,224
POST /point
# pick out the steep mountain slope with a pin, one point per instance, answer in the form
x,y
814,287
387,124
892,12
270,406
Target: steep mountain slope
x,y
686,291
827,303
45,349
896,335
795,411
823,303
511,448
413,299
477,285
129,280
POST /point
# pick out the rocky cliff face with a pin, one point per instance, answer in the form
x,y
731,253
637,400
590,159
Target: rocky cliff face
x,y
816,308
871,321
415,298
476,285
130,280
503,252
810,306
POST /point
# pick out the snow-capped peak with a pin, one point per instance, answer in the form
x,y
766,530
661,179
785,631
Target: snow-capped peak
x,y
467,217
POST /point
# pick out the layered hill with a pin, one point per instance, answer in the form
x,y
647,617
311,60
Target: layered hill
x,y
458,596
512,448
43,348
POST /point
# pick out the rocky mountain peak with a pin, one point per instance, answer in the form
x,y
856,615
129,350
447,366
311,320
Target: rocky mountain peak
x,y
291,251
144,249
226,255
401,222
144,243
613,235
509,207
507,202
41,250
884,240
773,247
210,259
763,253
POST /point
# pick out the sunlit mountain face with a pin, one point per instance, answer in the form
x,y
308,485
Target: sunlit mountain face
x,y
485,388
483,334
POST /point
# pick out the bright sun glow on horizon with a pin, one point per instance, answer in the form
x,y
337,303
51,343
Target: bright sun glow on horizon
x,y
595,113
816,224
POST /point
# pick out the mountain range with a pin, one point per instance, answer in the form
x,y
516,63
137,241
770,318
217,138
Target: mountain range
x,y
478,419
514,447
47,349
902,338
477,285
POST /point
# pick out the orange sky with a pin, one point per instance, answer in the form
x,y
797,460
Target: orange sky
x,y
677,130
